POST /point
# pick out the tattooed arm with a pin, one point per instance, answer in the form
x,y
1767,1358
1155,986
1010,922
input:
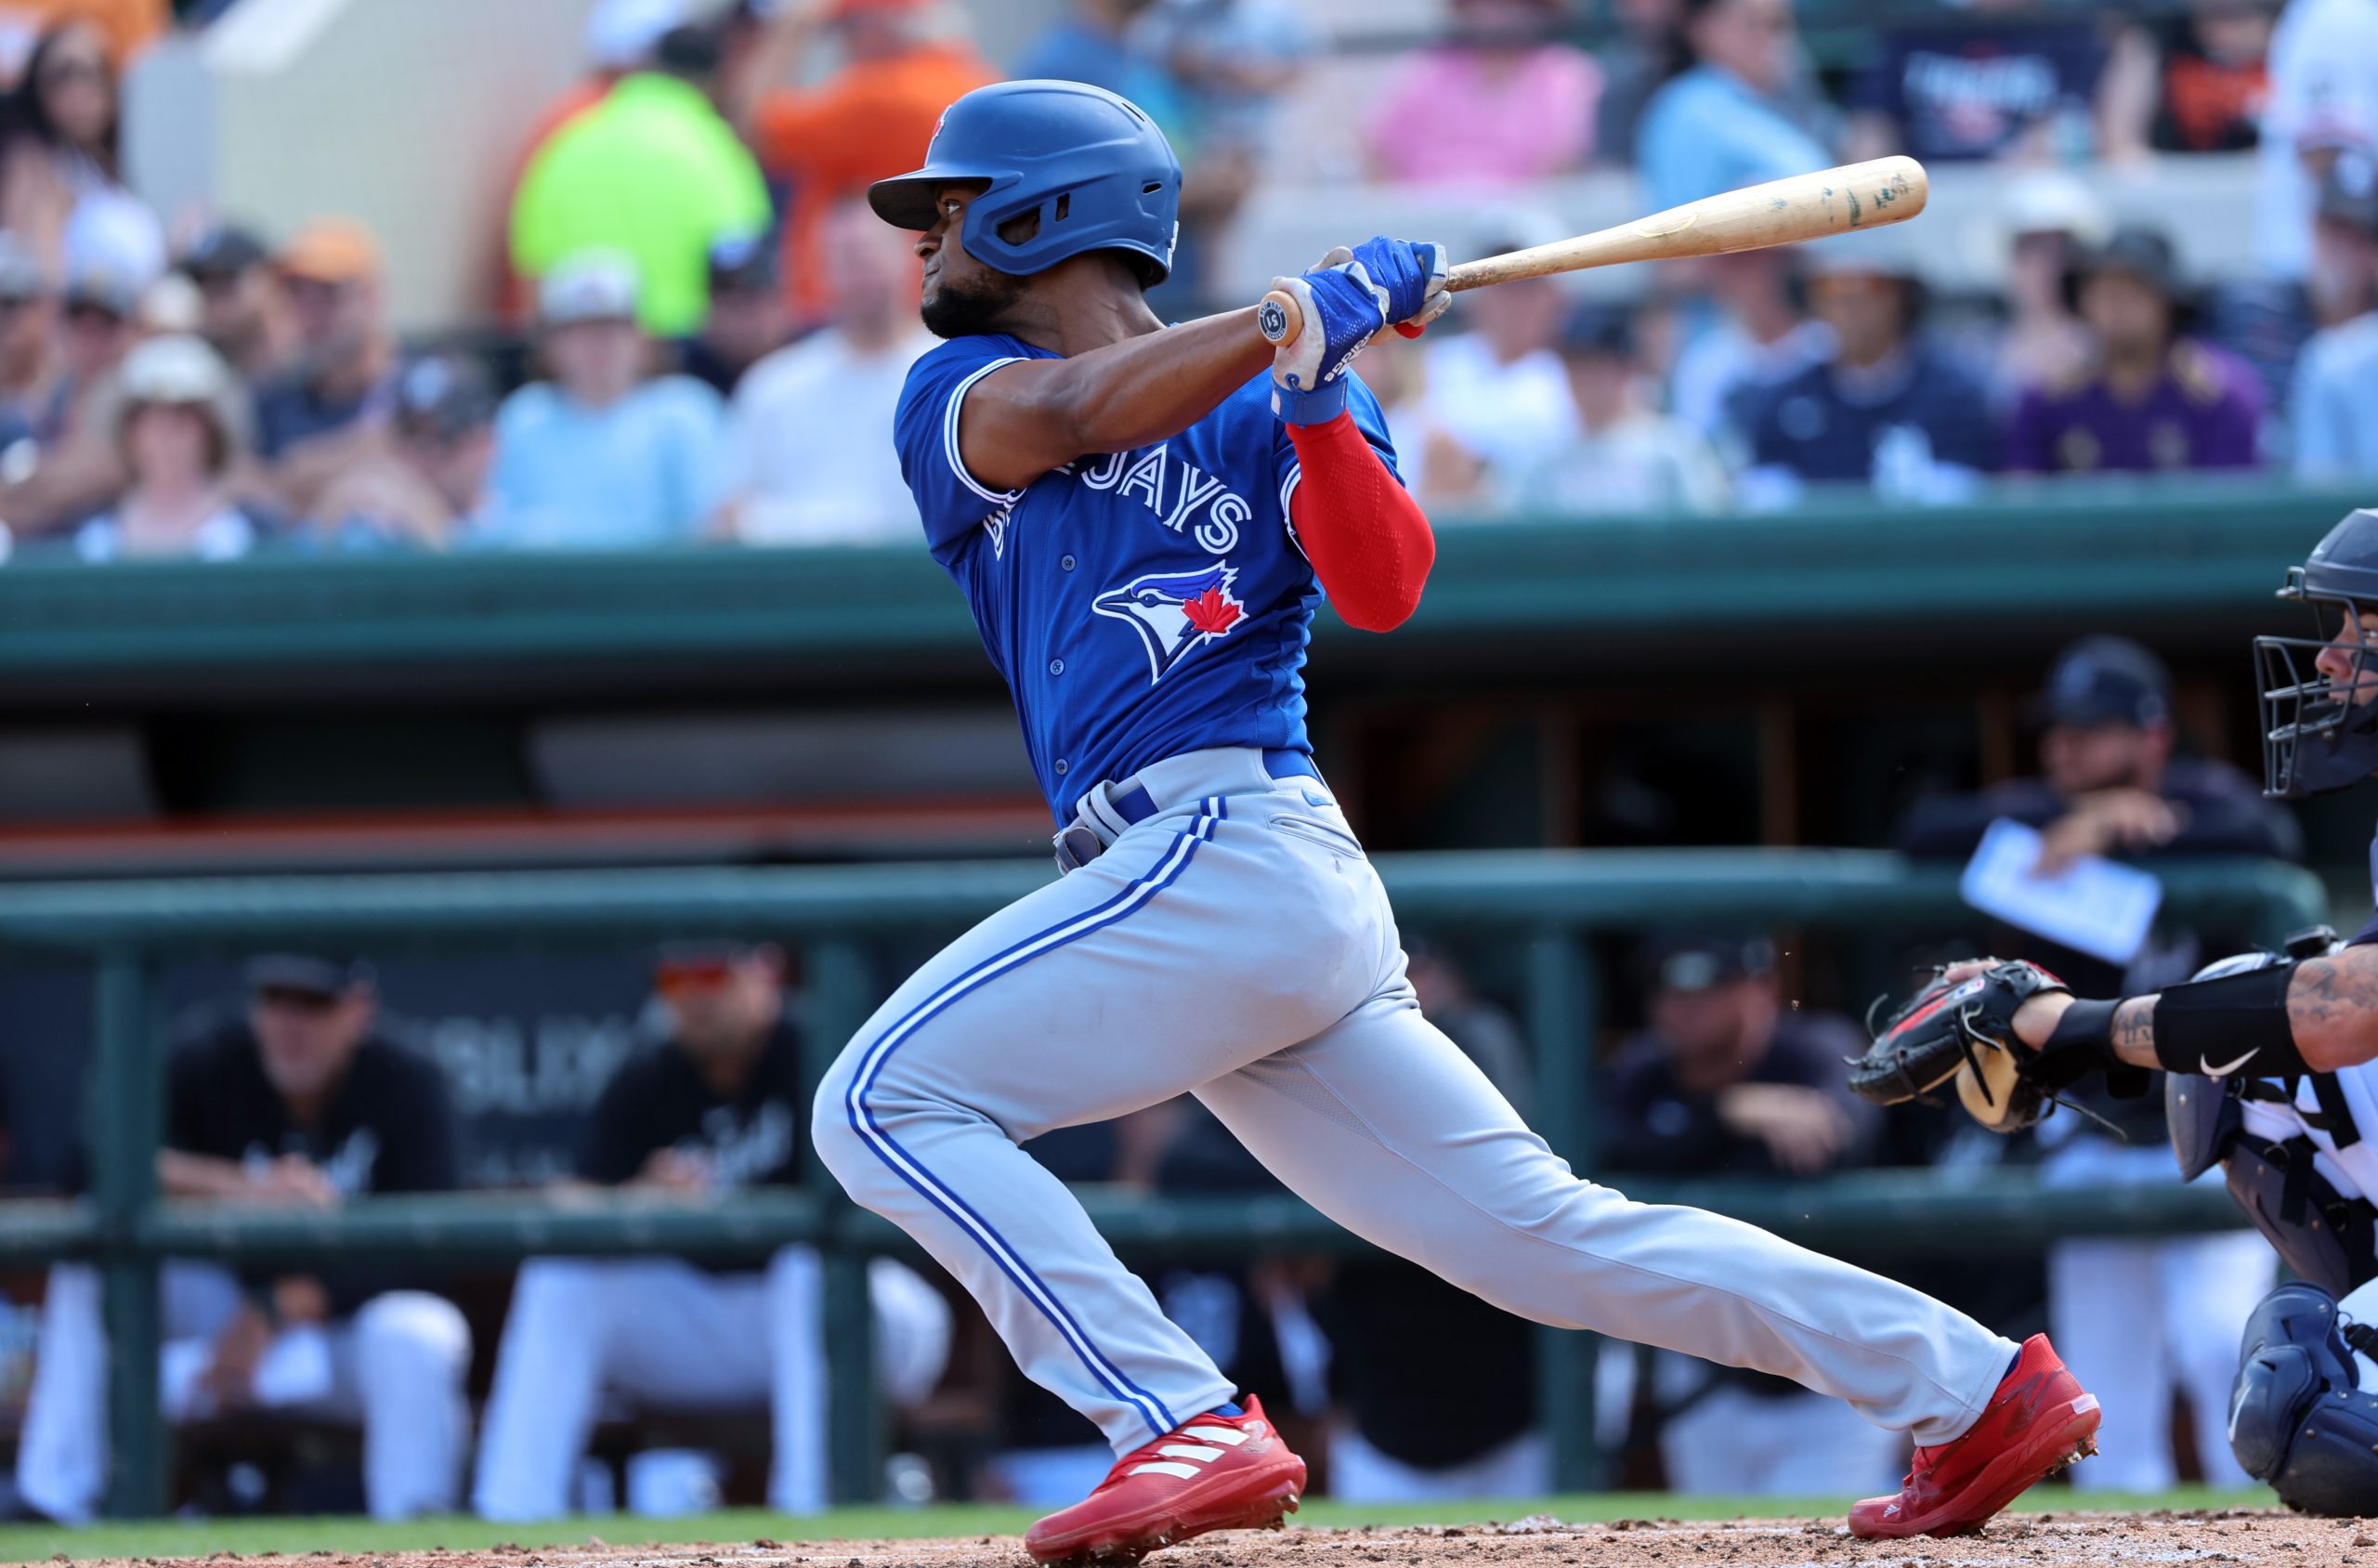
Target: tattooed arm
x,y
2332,1010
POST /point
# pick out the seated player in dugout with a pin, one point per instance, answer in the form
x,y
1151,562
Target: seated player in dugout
x,y
1143,519
2273,1065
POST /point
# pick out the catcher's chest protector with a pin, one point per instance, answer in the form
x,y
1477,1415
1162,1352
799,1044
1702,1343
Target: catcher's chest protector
x,y
2319,1233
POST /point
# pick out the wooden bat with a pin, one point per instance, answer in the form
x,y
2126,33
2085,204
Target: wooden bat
x,y
1781,211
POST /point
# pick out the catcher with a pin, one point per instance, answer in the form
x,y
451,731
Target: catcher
x,y
2287,1042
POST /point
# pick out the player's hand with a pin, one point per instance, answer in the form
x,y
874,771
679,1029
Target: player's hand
x,y
297,1180
1343,302
230,1377
674,1171
2035,1020
2104,822
1804,1129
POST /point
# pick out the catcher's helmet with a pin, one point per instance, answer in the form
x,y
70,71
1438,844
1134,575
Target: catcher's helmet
x,y
2315,735
1093,166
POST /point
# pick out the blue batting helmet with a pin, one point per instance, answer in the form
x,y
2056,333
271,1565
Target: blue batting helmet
x,y
1092,165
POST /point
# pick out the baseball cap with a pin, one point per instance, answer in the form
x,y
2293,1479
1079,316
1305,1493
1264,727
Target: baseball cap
x,y
330,249
1865,252
2052,201
2349,194
314,974
744,264
590,286
2142,252
622,34
176,367
2105,680
1594,328
442,395
21,276
1701,961
112,253
222,252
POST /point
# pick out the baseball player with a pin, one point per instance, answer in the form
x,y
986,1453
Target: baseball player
x,y
2274,1064
1144,523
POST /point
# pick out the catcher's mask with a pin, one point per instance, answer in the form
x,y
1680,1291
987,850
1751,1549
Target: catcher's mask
x,y
2316,736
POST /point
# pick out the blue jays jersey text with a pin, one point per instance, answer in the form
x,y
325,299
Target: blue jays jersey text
x,y
1139,603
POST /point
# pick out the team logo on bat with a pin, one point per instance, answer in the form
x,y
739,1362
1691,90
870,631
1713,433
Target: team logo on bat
x,y
1175,611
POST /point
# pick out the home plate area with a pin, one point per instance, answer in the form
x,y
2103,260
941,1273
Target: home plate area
x,y
2017,1540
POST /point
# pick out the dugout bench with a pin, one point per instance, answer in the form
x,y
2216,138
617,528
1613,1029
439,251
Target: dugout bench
x,y
1547,904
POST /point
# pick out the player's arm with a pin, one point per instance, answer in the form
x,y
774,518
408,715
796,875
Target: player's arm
x,y
2317,1015
1027,418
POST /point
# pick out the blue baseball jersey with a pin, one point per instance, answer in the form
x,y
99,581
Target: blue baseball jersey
x,y
1140,604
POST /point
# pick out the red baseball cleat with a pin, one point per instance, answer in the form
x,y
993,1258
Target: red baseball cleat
x,y
2038,1422
1217,1473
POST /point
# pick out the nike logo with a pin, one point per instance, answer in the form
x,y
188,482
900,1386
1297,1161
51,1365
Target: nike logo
x,y
2224,1071
1312,799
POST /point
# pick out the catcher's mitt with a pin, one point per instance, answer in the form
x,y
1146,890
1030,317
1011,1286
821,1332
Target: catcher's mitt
x,y
1965,1030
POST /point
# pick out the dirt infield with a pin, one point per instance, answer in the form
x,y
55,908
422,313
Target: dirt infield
x,y
2035,1540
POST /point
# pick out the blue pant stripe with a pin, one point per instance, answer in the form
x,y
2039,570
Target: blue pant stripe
x,y
862,1118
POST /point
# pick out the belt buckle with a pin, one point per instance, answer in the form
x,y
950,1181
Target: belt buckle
x,y
1077,845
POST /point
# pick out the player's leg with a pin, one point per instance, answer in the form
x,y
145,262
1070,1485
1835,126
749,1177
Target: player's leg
x,y
2210,1284
1384,1125
1189,948
2106,1317
62,1451
411,1354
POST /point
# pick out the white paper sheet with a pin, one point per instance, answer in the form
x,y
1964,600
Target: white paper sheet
x,y
2094,906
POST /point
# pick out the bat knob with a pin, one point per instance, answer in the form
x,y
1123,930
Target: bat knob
x,y
1278,318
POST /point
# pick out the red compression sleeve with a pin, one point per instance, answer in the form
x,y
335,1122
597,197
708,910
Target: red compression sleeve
x,y
1367,539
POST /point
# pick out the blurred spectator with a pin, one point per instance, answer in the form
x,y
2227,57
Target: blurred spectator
x,y
1498,389
303,1105
1725,1081
59,157
1231,60
653,172
345,351
748,318
30,367
1091,42
1760,340
176,439
1726,120
1505,99
1625,457
1635,62
868,121
128,25
2193,82
2153,398
76,468
1459,1421
2137,1318
2323,101
1889,408
2335,407
245,312
428,485
620,36
2050,217
600,457
719,1108
810,457
2000,79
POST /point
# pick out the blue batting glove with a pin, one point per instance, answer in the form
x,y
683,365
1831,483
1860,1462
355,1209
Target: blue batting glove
x,y
1344,302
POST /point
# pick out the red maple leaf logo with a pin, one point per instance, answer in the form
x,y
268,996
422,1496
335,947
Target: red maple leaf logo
x,y
1212,613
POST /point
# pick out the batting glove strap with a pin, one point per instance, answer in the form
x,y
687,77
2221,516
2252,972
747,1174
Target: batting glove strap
x,y
1317,407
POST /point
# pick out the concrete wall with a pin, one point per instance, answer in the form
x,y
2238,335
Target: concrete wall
x,y
406,114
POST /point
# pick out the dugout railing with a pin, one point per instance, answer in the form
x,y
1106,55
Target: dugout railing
x,y
1549,905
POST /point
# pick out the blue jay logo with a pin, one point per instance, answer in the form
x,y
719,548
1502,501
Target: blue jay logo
x,y
1174,611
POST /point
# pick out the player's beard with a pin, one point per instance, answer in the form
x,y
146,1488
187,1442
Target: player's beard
x,y
953,311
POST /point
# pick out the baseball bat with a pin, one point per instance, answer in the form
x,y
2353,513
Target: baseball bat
x,y
1781,211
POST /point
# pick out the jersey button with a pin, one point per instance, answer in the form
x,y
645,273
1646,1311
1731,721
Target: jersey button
x,y
1067,563
1056,666
1061,767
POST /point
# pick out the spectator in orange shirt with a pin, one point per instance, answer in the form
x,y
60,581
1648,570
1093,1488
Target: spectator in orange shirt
x,y
868,122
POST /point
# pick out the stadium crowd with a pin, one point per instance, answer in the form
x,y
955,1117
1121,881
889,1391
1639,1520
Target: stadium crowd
x,y
716,328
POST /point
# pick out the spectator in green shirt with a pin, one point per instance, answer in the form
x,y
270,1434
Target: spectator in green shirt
x,y
652,172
